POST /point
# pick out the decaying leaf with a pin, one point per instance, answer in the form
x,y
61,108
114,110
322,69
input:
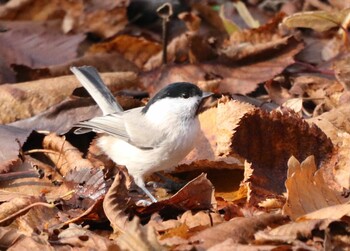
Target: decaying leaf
x,y
134,49
273,138
78,236
16,207
66,157
336,212
8,236
29,10
239,229
291,231
317,20
13,138
103,62
115,202
27,44
241,79
26,99
103,19
336,125
137,237
303,177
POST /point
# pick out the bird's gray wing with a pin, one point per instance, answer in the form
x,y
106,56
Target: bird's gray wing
x,y
130,128
92,82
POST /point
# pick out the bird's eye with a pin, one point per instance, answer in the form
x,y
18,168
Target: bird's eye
x,y
185,95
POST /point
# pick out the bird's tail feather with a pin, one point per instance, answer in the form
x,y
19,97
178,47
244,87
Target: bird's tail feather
x,y
92,82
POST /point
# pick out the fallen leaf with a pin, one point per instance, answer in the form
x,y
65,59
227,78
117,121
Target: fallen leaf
x,y
200,219
16,207
273,138
27,44
337,127
292,231
30,10
230,244
8,236
252,42
35,242
26,99
304,177
240,230
135,49
83,238
13,138
198,194
234,79
139,238
116,201
335,212
103,19
318,20
103,62
342,72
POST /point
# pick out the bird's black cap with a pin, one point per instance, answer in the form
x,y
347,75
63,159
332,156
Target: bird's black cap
x,y
175,90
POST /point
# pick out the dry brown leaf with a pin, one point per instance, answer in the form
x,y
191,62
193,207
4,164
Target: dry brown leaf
x,y
30,10
198,194
66,157
8,236
38,218
240,230
28,43
292,231
240,79
200,219
16,207
339,4
24,100
135,49
103,62
267,140
318,20
342,72
21,183
77,236
277,92
251,42
321,90
229,245
115,202
336,212
304,177
104,19
336,125
35,242
139,238
13,138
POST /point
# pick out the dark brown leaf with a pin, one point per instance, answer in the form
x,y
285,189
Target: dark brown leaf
x,y
273,138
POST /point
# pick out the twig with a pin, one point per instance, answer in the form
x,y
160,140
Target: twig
x,y
165,12
19,175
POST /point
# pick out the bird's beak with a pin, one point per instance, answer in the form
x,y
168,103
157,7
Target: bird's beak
x,y
206,95
205,102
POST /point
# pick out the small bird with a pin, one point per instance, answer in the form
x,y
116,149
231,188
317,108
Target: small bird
x,y
145,139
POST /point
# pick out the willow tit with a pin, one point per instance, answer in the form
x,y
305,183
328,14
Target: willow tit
x,y
145,139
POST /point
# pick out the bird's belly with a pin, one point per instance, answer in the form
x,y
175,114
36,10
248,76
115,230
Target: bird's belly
x,y
140,162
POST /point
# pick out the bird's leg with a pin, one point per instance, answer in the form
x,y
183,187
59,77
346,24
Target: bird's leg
x,y
141,184
168,183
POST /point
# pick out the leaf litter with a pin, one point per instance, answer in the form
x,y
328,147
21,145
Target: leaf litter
x,y
257,179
